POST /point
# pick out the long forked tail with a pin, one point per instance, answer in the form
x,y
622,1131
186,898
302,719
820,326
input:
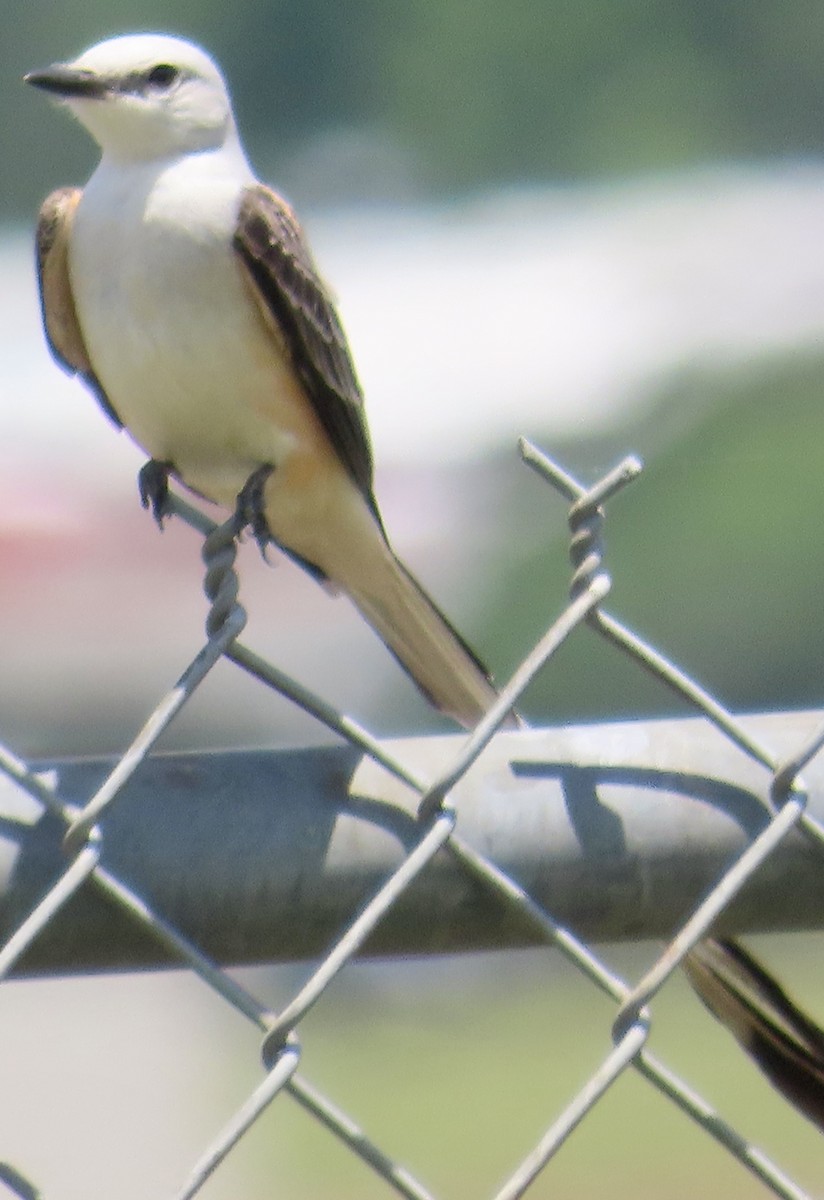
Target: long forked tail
x,y
785,1043
423,640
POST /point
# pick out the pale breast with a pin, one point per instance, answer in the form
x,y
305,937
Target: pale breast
x,y
173,335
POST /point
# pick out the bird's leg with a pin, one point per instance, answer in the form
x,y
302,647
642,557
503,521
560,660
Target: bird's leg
x,y
153,483
249,509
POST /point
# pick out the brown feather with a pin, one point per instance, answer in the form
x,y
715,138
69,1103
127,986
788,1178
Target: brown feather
x,y
784,1042
296,307
273,251
60,321
273,256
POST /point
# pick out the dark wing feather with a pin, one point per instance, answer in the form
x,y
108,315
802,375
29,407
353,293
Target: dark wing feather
x,y
60,321
785,1043
271,246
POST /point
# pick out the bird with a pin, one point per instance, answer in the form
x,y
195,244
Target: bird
x,y
183,292
783,1041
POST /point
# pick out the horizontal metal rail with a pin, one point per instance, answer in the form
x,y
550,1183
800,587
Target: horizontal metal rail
x,y
263,856
679,828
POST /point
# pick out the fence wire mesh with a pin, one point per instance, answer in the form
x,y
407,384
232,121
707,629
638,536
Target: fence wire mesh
x,y
783,798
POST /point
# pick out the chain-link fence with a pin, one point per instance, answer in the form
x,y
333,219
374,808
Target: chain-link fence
x,y
426,849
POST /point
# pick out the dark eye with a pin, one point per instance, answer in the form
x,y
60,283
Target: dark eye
x,y
162,76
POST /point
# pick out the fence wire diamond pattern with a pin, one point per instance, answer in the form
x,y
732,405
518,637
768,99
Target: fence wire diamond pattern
x,y
784,800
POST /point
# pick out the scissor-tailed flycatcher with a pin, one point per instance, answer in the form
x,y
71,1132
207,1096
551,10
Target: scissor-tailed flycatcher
x,y
787,1045
183,292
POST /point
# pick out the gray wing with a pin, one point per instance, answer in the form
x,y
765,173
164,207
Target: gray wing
x,y
273,251
60,321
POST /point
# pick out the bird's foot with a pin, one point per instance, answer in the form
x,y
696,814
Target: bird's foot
x,y
250,509
153,483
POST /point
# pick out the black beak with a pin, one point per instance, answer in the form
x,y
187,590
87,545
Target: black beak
x,y
66,81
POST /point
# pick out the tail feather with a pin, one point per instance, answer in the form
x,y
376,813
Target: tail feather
x,y
785,1043
423,640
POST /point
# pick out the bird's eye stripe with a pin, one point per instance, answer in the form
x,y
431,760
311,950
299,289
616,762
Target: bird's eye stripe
x,y
157,78
163,75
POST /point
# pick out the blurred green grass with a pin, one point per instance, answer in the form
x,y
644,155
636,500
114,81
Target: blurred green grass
x,y
457,1067
715,552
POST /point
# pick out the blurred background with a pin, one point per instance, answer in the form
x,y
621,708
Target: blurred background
x,y
598,224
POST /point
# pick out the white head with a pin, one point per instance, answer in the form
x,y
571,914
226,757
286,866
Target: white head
x,y
145,96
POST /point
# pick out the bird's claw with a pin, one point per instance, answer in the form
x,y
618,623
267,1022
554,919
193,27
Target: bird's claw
x,y
249,509
153,484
